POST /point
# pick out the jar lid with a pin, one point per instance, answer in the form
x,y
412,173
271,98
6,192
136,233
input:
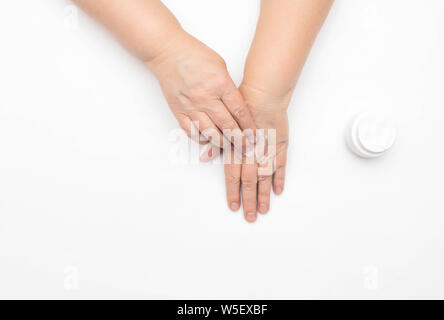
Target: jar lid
x,y
370,135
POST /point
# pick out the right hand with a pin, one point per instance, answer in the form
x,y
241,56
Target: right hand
x,y
198,88
254,181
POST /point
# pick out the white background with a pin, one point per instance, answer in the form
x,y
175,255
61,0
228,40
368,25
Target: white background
x,y
92,205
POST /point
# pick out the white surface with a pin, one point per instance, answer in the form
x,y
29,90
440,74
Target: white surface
x,y
90,206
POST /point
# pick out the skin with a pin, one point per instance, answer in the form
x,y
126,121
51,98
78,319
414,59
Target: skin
x,y
198,88
193,77
284,36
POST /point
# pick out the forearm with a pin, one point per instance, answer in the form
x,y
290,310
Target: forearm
x,y
285,33
145,27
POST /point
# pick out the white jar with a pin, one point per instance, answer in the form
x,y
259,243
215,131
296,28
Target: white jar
x,y
370,135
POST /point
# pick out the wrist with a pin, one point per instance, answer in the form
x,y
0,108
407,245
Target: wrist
x,y
261,100
175,43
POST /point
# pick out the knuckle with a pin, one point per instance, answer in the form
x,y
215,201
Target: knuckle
x,y
190,113
212,86
240,112
232,179
211,133
183,99
211,110
249,184
264,194
228,124
263,178
219,81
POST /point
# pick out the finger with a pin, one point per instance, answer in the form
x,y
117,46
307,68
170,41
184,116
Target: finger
x,y
232,183
187,125
249,191
263,193
279,174
265,171
235,103
222,118
207,128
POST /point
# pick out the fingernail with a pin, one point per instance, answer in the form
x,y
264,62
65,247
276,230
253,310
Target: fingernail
x,y
208,154
234,206
251,216
278,190
263,208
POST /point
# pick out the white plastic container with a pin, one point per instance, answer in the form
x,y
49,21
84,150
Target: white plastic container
x,y
370,135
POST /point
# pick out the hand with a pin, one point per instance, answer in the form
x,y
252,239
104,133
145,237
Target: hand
x,y
199,90
269,112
